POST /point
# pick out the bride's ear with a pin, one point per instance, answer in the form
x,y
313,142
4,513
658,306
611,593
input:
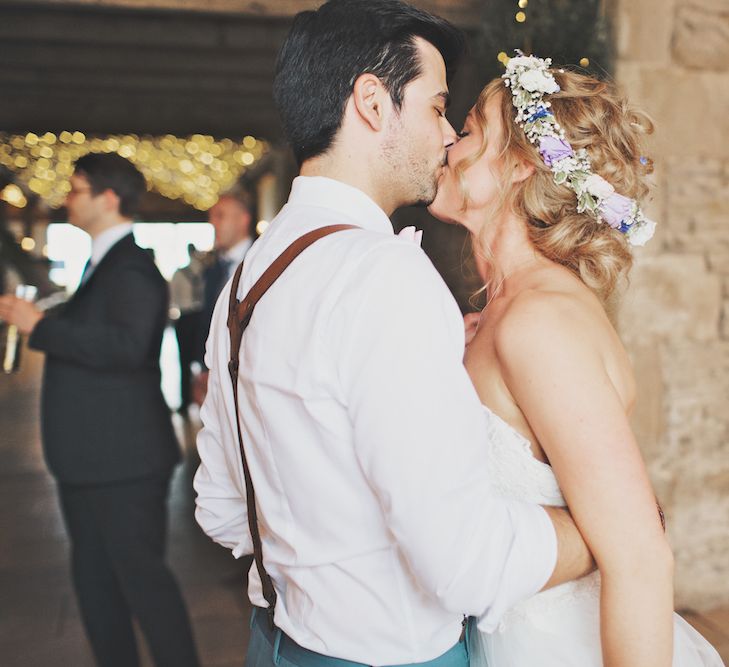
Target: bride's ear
x,y
521,171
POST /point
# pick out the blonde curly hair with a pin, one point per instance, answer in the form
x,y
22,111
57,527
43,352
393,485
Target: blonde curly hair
x,y
596,117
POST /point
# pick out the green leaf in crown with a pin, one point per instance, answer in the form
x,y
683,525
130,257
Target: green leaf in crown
x,y
584,202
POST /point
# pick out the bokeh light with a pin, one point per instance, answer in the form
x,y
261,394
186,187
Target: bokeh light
x,y
13,195
194,169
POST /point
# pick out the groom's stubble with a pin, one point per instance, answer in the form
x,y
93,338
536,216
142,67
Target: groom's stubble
x,y
410,169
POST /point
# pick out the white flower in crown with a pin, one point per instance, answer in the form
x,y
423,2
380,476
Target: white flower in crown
x,y
523,61
598,187
641,233
539,80
530,79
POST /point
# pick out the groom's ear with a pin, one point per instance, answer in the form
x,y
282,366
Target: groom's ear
x,y
370,100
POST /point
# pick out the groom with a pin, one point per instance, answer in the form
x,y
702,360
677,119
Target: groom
x,y
364,436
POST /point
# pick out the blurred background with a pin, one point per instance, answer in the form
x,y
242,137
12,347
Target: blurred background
x,y
182,88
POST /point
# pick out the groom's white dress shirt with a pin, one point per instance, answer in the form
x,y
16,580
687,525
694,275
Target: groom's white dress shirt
x,y
365,440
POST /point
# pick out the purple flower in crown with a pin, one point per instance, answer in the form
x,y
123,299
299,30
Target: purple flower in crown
x,y
553,149
616,209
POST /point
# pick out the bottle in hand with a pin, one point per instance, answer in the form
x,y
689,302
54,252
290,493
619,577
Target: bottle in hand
x,y
13,339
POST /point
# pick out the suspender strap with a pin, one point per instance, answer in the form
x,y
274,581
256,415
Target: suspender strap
x,y
239,315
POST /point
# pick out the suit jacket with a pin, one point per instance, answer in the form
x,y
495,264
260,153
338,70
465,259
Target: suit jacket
x,y
103,415
214,278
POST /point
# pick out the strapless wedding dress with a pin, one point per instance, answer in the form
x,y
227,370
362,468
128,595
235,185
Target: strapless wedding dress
x,y
559,627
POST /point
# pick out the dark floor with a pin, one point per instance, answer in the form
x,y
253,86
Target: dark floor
x,y
39,622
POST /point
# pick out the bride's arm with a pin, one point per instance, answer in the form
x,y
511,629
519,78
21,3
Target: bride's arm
x,y
559,381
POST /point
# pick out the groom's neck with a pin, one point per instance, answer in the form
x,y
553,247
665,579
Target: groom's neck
x,y
354,171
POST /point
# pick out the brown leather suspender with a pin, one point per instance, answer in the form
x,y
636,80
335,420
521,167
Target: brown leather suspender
x,y
239,315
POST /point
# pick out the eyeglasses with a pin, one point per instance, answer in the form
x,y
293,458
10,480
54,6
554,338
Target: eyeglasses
x,y
77,191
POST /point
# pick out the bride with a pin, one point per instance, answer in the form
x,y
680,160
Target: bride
x,y
546,176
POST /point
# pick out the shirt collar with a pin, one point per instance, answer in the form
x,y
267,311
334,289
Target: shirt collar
x,y
238,251
101,244
338,196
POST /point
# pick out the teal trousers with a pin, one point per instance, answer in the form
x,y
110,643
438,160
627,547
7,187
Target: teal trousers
x,y
273,648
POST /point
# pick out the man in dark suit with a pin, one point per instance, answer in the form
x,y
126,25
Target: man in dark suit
x,y
107,434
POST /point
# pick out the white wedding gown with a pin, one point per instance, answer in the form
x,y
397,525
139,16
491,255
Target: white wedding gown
x,y
561,626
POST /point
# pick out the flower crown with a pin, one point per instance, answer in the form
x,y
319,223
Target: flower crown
x,y
530,80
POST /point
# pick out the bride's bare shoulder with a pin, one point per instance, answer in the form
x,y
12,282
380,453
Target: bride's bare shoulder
x,y
539,312
554,298
550,316
561,327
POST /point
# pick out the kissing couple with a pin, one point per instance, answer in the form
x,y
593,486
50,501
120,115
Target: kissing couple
x,y
388,492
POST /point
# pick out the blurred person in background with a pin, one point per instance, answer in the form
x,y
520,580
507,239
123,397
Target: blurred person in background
x,y
107,434
187,298
231,216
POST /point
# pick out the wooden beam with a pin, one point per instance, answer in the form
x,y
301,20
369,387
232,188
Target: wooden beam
x,y
85,27
20,81
271,8
114,70
162,61
155,115
462,12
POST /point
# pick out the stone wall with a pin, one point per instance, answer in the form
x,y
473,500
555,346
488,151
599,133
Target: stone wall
x,y
673,60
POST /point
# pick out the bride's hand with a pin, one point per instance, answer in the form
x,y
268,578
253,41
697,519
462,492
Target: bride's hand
x,y
470,322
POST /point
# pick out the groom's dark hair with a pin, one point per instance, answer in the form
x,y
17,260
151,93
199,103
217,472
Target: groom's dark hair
x,y
328,49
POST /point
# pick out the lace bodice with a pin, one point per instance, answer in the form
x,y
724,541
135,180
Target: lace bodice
x,y
517,474
561,626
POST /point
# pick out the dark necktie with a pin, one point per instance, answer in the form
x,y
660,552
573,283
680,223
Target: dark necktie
x,y
88,270
223,273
